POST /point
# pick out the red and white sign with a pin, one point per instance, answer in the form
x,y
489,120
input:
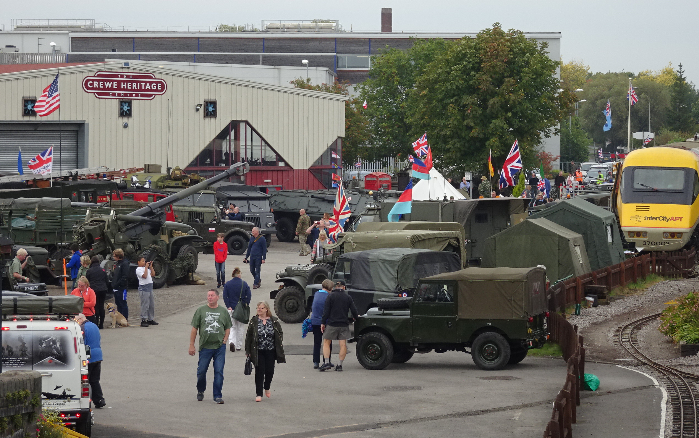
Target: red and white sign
x,y
124,85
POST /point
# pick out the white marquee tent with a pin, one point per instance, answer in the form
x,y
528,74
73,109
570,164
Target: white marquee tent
x,y
435,188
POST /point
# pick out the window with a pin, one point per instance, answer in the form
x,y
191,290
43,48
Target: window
x,y
125,108
435,293
28,107
210,108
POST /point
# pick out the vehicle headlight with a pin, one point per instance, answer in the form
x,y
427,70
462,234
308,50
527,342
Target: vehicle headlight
x,y
269,224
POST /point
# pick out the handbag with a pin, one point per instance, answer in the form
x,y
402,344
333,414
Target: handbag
x,y
241,312
248,367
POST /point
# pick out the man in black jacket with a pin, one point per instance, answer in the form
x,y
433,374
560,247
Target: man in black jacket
x,y
334,323
120,282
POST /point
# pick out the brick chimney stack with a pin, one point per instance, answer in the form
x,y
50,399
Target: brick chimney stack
x,y
387,20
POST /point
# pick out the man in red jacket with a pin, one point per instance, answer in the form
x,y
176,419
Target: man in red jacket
x,y
220,255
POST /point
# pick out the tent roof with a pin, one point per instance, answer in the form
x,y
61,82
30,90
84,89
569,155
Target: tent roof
x,y
580,206
493,274
435,188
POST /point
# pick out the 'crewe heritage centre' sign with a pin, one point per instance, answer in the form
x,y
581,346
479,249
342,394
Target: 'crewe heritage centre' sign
x,y
124,85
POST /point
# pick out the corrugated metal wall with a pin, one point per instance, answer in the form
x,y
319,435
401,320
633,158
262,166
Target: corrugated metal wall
x,y
167,130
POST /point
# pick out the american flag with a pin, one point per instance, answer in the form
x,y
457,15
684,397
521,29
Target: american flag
x,y
49,101
420,146
341,212
632,95
512,166
647,140
42,163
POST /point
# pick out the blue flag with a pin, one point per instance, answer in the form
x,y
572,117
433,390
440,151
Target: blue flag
x,y
20,169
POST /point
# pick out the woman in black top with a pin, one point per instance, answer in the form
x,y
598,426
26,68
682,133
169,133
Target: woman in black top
x,y
99,283
264,345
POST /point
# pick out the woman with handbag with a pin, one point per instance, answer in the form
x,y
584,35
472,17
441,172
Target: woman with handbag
x,y
236,297
263,346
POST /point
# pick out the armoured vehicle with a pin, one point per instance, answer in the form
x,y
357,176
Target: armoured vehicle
x,y
208,223
289,302
253,204
496,314
38,269
287,203
146,233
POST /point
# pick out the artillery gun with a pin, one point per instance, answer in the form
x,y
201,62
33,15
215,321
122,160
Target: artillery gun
x,y
171,246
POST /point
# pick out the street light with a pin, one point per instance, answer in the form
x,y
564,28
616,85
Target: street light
x,y
570,117
53,47
305,62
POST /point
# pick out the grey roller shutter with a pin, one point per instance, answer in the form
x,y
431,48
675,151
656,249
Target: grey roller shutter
x,y
64,142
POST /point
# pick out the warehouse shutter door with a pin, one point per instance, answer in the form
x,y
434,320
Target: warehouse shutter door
x,y
35,142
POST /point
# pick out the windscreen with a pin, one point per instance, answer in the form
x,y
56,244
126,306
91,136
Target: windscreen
x,y
659,185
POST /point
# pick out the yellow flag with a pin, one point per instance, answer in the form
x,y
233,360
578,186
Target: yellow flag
x,y
490,164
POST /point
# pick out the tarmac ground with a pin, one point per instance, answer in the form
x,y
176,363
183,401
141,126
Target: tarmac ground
x,y
148,380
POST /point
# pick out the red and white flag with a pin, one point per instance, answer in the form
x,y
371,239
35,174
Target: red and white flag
x,y
42,163
364,105
49,101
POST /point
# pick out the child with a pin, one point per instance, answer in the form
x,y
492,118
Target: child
x,y
220,255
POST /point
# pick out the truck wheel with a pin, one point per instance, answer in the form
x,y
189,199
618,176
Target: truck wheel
x,y
237,245
319,272
160,266
374,351
84,427
289,305
402,355
490,351
285,230
394,303
186,250
517,354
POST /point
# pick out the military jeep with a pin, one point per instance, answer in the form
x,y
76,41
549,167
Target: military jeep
x,y
496,314
289,303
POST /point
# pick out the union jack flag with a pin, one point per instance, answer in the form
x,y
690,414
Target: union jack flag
x,y
647,140
632,95
341,212
420,146
511,167
608,111
334,154
599,153
49,101
358,164
42,163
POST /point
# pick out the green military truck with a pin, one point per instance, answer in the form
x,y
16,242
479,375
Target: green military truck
x,y
289,303
208,223
496,314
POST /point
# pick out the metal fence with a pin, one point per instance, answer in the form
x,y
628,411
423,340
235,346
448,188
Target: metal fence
x,y
32,58
388,165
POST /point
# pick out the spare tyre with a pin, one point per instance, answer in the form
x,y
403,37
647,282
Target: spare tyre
x,y
394,303
319,272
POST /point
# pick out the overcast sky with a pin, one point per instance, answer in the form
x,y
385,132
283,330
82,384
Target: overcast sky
x,y
609,35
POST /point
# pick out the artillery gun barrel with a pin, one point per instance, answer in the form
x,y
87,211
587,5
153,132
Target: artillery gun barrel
x,y
154,208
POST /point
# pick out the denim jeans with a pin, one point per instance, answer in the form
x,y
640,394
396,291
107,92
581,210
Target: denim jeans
x,y
121,304
256,269
220,272
205,356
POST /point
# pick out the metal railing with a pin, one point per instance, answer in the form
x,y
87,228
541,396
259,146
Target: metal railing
x,y
32,58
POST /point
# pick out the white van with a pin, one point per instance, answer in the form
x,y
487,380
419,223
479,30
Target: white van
x,y
39,334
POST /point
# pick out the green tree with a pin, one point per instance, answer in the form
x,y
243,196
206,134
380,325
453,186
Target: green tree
x,y
574,142
682,97
574,75
483,93
357,132
391,82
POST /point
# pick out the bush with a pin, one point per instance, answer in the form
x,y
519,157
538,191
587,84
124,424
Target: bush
x,y
49,425
681,322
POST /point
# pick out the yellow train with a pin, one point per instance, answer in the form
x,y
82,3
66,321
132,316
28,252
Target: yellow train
x,y
655,198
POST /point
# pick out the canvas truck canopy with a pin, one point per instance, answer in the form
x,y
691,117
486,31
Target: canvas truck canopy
x,y
450,241
538,242
497,293
411,225
598,227
393,269
33,305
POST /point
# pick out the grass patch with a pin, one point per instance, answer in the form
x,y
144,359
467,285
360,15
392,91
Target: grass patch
x,y
550,349
634,288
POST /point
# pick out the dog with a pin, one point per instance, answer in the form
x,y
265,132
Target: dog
x,y
117,318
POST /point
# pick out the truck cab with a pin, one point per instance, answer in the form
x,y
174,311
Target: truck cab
x,y
496,313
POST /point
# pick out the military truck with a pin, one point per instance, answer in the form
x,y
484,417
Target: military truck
x,y
171,246
287,203
38,268
252,203
208,223
289,303
495,314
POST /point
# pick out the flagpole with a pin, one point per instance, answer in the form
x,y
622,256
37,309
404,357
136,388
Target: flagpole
x,y
628,143
60,156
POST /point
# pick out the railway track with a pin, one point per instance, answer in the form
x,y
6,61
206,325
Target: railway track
x,y
681,386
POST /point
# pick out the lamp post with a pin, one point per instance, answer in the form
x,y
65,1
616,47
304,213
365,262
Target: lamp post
x,y
53,47
570,116
305,62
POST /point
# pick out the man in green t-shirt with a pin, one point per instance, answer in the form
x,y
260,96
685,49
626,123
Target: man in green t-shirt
x,y
214,325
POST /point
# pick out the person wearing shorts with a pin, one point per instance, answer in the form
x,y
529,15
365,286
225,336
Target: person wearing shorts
x,y
335,324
